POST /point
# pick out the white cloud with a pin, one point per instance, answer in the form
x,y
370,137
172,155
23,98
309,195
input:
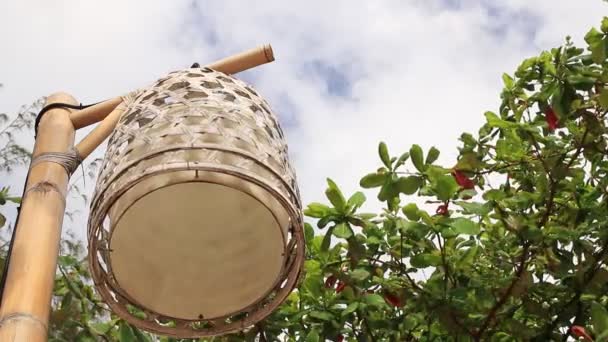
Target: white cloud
x,y
418,71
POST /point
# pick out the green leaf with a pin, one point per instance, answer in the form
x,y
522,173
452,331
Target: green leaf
x,y
125,333
416,154
313,336
317,210
419,230
327,239
445,187
468,256
102,328
313,283
356,200
581,82
372,180
402,159
356,249
388,191
334,195
599,317
463,225
604,98
383,152
359,274
432,156
14,199
322,315
494,121
597,45
352,307
494,195
593,36
67,260
604,26
448,233
141,337
481,209
411,211
2,220
343,230
425,260
325,220
374,299
507,80
408,185
309,232
468,161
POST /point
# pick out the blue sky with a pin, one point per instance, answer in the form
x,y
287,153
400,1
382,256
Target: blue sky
x,y
347,74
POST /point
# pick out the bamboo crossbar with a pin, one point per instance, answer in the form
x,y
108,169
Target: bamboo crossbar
x,y
229,65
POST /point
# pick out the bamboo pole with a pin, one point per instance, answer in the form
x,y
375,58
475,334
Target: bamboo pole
x,y
244,60
26,300
99,133
230,65
95,113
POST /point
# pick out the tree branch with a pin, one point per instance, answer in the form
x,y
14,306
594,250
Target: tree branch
x,y
505,296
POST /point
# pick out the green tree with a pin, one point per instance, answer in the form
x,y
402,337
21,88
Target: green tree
x,y
507,244
516,246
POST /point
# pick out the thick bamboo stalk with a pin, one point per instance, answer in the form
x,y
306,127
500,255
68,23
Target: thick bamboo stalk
x,y
99,133
244,60
93,114
26,299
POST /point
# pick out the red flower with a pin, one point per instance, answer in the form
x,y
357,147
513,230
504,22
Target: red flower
x,y
579,331
330,282
442,209
339,338
463,180
340,287
551,119
393,300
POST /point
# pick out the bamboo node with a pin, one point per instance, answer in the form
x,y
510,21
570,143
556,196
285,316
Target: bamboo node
x,y
45,187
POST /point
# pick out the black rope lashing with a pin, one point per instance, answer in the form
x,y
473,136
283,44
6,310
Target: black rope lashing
x,y
55,106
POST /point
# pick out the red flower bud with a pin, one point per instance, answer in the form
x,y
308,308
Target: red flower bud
x,y
442,210
463,180
393,300
340,287
551,118
579,331
330,282
339,338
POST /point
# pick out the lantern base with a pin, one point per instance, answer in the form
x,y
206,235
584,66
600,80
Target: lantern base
x,y
197,250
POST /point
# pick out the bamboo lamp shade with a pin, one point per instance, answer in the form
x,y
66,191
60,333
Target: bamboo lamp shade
x,y
195,226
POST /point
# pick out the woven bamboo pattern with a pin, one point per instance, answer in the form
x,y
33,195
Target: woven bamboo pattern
x,y
203,120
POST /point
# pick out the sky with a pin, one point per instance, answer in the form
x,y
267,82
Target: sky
x,y
347,74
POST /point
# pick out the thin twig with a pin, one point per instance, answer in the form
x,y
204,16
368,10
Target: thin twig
x,y
505,296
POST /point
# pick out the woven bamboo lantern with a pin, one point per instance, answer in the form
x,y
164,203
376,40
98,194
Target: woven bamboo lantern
x,y
195,226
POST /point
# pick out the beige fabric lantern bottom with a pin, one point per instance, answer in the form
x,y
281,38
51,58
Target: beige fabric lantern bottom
x,y
196,214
